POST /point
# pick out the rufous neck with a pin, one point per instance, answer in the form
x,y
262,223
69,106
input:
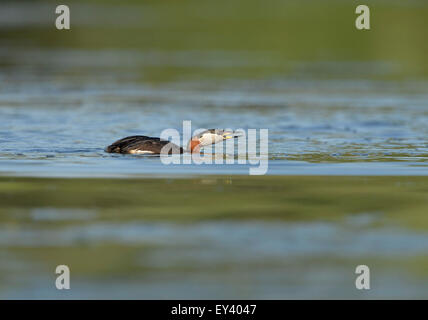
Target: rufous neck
x,y
194,146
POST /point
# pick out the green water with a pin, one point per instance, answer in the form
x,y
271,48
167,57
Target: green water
x,y
402,200
214,237
347,116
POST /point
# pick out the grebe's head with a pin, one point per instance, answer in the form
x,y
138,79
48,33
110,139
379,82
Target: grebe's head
x,y
210,136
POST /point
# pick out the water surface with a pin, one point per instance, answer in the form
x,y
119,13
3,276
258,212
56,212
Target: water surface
x,y
66,95
214,237
347,114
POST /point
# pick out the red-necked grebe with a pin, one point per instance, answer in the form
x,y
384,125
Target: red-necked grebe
x,y
150,145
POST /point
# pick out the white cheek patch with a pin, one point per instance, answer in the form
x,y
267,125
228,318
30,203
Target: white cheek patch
x,y
209,138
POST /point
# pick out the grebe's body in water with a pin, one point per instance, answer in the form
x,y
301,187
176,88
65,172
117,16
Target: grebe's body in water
x,y
150,145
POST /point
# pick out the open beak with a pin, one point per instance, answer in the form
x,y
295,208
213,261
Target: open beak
x,y
230,135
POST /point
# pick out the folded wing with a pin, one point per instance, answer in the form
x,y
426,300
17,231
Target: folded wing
x,y
143,145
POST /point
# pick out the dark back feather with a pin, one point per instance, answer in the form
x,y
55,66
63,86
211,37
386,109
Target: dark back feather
x,y
142,143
